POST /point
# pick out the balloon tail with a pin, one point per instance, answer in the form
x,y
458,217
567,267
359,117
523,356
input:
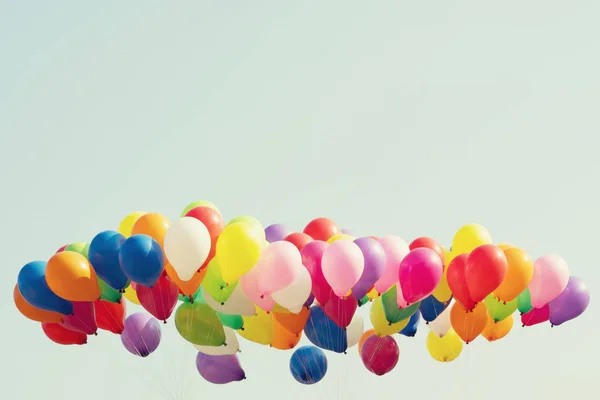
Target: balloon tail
x,y
165,321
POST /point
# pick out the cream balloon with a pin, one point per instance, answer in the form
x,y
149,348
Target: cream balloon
x,y
441,325
237,304
231,345
355,330
295,295
187,245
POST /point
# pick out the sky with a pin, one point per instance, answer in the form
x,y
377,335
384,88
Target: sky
x,y
390,117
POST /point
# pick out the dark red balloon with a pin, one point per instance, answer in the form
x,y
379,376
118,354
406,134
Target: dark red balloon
x,y
62,249
298,239
429,243
110,316
380,354
160,300
61,335
457,282
322,229
213,221
340,311
536,316
83,318
485,270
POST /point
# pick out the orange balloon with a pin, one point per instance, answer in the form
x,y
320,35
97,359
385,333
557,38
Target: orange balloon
x,y
292,322
468,324
152,224
497,330
364,337
34,313
282,338
188,287
70,276
518,274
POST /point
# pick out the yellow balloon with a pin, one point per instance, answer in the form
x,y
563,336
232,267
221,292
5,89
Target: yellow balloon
x,y
199,203
131,295
442,292
380,323
339,237
373,294
280,310
497,330
258,328
126,225
505,246
444,349
469,237
238,249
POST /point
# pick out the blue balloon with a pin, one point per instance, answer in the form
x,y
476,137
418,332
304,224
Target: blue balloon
x,y
431,307
410,330
325,333
308,365
34,289
104,257
142,260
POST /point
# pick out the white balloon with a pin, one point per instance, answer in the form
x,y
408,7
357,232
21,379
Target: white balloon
x,y
231,345
187,245
441,325
295,294
355,330
237,304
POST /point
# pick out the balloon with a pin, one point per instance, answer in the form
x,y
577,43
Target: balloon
x,y
442,292
444,349
342,265
258,328
380,323
499,310
347,232
395,250
276,232
518,274
298,239
238,303
308,365
231,345
294,323
431,308
71,277
355,330
107,293
83,318
374,265
249,220
197,204
214,285
468,324
141,335
159,300
312,255
199,324
339,237
189,287
393,313
220,369
380,354
213,221
536,316
238,249
457,282
234,322
524,301
152,224
469,237
340,310
410,330
250,284
495,330
279,264
324,333
364,337
131,295
550,278
282,338
34,313
571,303
428,243
297,292
442,324
142,260
34,289
103,254
126,225
110,316
485,270
187,245
322,229
61,335
419,273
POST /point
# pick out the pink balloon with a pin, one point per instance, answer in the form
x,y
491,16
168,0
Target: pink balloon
x,y
83,318
312,255
420,272
402,303
277,266
380,354
249,283
342,264
395,250
340,310
550,278
536,316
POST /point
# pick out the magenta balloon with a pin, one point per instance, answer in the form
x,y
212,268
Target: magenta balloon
x,y
380,354
571,303
536,316
83,318
420,272
141,335
374,265
312,254
276,232
220,369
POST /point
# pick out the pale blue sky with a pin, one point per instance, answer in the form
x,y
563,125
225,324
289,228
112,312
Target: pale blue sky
x,y
401,117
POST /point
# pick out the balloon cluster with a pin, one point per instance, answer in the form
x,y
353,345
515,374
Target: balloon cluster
x,y
272,286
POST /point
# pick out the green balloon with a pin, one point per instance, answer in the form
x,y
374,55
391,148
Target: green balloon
x,y
499,310
234,322
392,313
214,284
199,203
107,293
199,324
79,247
363,301
524,301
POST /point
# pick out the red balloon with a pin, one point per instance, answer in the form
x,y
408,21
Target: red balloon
x,y
339,310
160,300
322,229
61,335
380,354
485,270
83,318
62,249
429,243
455,275
298,239
536,316
110,316
213,221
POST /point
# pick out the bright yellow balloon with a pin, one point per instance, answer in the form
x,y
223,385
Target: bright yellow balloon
x,y
258,328
373,294
444,349
469,237
238,249
131,295
380,323
339,237
442,292
497,330
126,225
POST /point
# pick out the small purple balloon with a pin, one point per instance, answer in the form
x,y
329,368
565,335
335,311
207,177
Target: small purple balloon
x,y
374,265
347,232
220,369
141,335
276,232
571,303
310,300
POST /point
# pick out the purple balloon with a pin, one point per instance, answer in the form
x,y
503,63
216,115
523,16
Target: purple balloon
x,y
571,303
220,369
374,265
276,232
310,300
347,232
141,335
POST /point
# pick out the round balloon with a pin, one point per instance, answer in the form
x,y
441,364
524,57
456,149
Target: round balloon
x,y
308,365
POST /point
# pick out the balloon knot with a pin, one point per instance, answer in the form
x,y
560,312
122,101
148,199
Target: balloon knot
x,y
551,325
445,359
520,313
119,301
389,324
225,344
262,296
242,328
345,352
426,322
244,378
95,333
504,302
523,326
222,303
221,287
164,321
